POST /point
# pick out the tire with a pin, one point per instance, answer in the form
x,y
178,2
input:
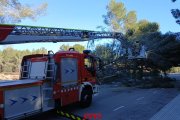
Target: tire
x,y
86,98
58,105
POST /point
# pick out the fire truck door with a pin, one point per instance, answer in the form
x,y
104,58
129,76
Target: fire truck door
x,y
69,80
69,71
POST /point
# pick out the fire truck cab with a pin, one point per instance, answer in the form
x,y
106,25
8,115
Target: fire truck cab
x,y
50,81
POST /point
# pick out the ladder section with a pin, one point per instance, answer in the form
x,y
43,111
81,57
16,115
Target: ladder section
x,y
50,72
47,88
29,34
47,93
25,70
47,31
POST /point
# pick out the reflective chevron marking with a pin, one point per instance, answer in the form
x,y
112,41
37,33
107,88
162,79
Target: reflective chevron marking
x,y
69,89
70,115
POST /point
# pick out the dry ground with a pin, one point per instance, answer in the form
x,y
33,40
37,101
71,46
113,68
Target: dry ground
x,y
9,76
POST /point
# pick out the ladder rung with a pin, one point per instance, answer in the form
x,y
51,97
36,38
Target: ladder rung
x,y
24,77
50,63
47,99
49,77
49,88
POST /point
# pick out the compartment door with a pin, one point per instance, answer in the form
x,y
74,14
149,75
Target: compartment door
x,y
69,71
22,100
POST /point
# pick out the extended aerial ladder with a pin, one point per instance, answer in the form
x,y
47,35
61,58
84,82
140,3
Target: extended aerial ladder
x,y
16,34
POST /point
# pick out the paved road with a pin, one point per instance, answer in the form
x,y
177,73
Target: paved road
x,y
174,75
170,112
115,103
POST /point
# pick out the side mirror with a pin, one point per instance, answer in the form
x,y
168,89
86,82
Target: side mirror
x,y
91,69
99,64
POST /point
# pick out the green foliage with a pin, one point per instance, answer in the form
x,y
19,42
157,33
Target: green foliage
x,y
145,26
176,13
108,52
13,11
163,50
119,20
10,59
64,47
117,17
160,82
174,70
77,47
104,52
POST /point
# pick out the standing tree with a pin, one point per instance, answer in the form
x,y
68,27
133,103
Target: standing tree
x,y
64,47
117,17
176,14
77,47
12,11
11,58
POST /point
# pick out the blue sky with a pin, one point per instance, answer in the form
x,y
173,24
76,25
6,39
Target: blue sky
x,y
87,14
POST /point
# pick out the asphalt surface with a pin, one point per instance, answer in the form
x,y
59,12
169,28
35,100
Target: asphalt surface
x,y
175,75
118,103
170,112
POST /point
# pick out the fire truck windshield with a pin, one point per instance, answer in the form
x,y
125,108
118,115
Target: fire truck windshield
x,y
88,63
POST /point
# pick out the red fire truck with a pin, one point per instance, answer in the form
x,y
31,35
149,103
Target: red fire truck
x,y
49,81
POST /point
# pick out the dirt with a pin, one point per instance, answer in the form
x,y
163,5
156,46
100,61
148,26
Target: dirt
x,y
9,76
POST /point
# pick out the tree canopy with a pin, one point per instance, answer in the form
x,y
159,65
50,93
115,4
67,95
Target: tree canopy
x,y
77,47
108,52
117,18
162,49
10,59
176,13
13,11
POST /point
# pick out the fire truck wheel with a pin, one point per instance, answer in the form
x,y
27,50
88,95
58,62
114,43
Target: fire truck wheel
x,y
57,105
86,98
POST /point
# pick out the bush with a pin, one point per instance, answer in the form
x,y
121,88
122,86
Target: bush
x,y
160,82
